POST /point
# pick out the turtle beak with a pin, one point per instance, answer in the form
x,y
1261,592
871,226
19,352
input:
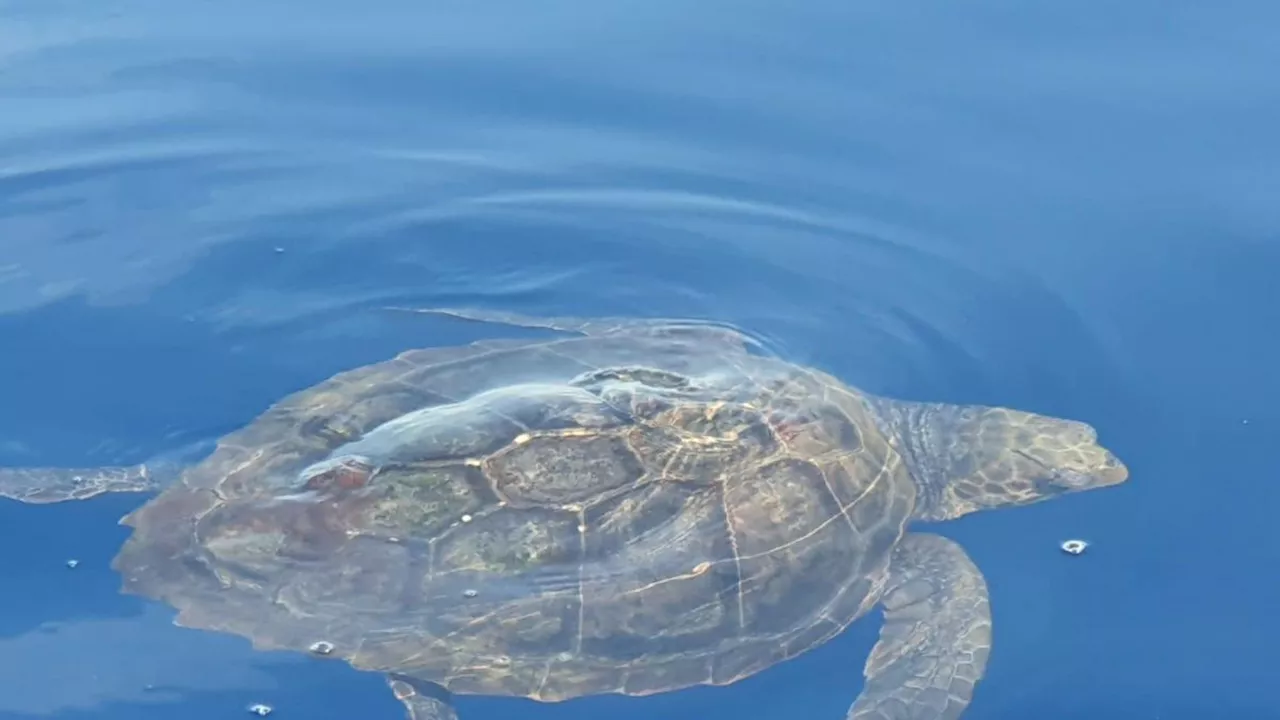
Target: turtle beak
x,y
1097,468
1113,471
1105,470
1086,468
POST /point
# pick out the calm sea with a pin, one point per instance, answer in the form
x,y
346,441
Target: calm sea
x,y
1068,208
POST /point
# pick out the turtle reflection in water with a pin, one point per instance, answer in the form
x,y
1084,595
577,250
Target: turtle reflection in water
x,y
638,507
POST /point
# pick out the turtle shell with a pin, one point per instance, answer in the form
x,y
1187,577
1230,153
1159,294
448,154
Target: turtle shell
x,y
630,512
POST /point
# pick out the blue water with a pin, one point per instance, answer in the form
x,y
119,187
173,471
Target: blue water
x,y
1066,208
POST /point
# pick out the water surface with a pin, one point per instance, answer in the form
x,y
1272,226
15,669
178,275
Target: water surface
x,y
204,206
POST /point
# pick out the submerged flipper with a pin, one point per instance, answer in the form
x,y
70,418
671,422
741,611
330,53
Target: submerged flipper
x,y
936,637
41,485
50,485
422,701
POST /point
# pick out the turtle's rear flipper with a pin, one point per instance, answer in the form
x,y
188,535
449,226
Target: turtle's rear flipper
x,y
50,485
936,636
422,701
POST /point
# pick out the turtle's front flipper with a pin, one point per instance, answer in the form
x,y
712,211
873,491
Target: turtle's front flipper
x,y
422,701
50,485
936,636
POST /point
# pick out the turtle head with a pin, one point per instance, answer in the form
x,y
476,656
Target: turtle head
x,y
969,458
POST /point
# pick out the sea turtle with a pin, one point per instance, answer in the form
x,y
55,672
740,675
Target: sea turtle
x,y
636,507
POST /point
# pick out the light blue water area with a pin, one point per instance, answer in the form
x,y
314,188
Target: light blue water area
x,y
1066,208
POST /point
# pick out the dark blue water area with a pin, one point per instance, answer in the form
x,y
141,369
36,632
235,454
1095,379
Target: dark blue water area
x,y
1066,209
